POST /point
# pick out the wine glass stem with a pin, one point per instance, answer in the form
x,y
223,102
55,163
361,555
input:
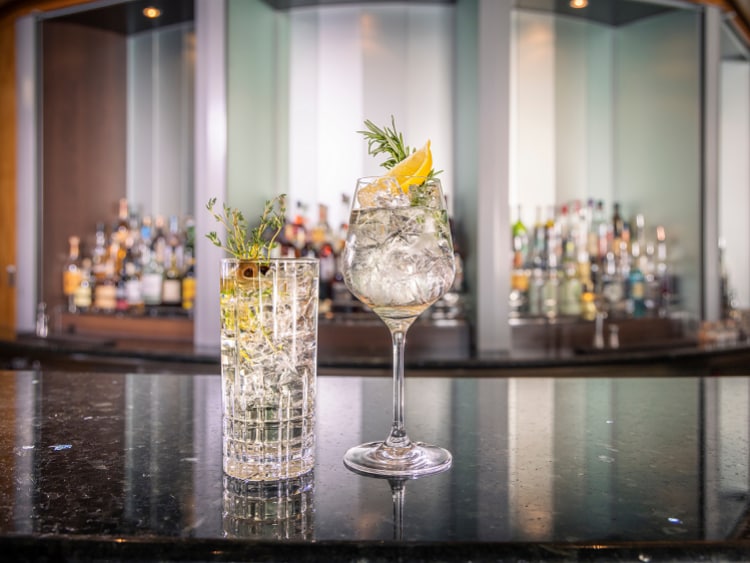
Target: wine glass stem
x,y
398,437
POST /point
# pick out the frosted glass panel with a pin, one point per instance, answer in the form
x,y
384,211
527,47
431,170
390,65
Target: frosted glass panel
x,y
734,177
561,108
533,108
351,63
658,141
160,121
256,105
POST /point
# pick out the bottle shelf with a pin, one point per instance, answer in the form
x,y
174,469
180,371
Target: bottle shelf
x,y
176,327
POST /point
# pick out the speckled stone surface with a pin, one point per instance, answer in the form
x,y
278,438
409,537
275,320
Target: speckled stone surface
x,y
128,466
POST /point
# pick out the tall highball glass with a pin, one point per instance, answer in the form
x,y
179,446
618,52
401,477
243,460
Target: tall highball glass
x,y
398,260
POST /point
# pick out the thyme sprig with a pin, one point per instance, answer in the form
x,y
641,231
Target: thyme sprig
x,y
241,241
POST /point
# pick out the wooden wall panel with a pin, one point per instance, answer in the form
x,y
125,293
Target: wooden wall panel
x,y
84,77
7,174
8,15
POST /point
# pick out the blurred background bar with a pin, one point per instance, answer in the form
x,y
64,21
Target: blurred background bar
x,y
594,160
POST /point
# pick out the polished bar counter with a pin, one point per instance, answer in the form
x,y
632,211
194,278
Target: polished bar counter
x,y
102,466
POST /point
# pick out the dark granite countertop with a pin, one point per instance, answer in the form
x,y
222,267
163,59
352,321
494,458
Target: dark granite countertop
x,y
102,466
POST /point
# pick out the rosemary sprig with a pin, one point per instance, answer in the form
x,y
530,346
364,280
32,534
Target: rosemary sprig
x,y
386,140
389,141
244,243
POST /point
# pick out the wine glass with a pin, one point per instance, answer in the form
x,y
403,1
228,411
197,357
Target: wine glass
x,y
398,260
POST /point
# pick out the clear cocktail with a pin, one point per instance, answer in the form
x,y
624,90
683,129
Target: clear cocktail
x,y
398,260
269,316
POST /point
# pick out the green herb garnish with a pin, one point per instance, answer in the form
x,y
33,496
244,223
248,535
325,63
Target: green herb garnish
x,y
386,141
244,243
389,141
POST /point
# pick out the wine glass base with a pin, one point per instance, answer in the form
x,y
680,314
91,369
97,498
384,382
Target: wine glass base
x,y
415,460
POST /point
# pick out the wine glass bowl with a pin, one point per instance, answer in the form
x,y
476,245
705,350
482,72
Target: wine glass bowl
x,y
398,260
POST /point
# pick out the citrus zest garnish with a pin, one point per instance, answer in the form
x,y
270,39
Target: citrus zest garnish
x,y
418,163
407,168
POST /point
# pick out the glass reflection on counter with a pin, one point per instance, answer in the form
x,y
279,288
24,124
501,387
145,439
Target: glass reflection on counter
x,y
279,510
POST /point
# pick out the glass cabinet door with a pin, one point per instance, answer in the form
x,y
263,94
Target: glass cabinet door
x,y
734,172
607,112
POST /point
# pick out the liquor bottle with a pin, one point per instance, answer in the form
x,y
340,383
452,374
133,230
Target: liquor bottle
x,y
284,247
321,232
636,286
327,264
151,280
299,236
171,292
519,290
618,224
159,240
563,222
175,243
144,241
189,241
72,273
321,240
579,226
133,289
82,298
552,240
636,291
662,273
571,291
605,232
535,292
537,242
188,287
519,276
100,253
122,230
105,291
132,281
594,232
588,304
612,284
121,296
343,230
342,299
597,244
551,294
116,249
638,244
520,240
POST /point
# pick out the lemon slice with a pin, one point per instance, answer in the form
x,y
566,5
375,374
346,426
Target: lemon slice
x,y
419,163
410,171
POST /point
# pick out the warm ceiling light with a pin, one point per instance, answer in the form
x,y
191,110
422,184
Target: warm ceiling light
x,y
579,3
151,12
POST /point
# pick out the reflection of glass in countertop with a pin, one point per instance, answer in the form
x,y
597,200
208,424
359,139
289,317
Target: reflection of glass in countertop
x,y
269,510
